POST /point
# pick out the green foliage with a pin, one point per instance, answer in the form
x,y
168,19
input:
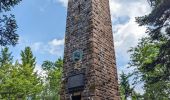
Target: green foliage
x,y
143,55
125,89
8,24
5,57
27,57
157,91
156,72
19,80
5,73
8,29
30,83
53,79
159,29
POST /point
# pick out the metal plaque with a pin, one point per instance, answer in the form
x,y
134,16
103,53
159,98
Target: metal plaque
x,y
76,82
77,55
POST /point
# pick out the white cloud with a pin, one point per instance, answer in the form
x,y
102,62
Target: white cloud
x,y
64,2
56,47
131,8
56,42
53,47
127,34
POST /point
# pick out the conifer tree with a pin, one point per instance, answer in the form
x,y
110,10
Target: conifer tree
x,y
125,89
158,28
8,25
30,83
143,54
6,71
157,68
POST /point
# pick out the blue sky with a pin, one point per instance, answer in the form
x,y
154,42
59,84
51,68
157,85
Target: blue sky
x,y
41,24
42,27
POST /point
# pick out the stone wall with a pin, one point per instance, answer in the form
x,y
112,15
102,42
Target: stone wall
x,y
89,30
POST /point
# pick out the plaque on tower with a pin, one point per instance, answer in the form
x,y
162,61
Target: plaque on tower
x,y
76,83
77,55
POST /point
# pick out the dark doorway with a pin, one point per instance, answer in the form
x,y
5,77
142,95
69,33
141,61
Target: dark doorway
x,y
76,97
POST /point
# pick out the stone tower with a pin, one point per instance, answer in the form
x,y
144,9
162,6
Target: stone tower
x,y
89,58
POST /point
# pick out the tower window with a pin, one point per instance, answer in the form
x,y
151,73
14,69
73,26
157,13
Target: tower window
x,y
79,8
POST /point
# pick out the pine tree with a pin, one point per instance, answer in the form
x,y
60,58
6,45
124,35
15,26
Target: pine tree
x,y
30,84
8,25
141,56
158,23
6,72
125,89
158,28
